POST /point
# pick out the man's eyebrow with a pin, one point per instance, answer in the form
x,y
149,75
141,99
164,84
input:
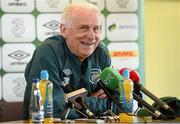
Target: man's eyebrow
x,y
89,25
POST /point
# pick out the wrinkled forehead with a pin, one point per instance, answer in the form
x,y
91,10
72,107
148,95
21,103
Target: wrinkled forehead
x,y
75,11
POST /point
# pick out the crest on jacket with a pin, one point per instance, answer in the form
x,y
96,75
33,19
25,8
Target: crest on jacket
x,y
93,75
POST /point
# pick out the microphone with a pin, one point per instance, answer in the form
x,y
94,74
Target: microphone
x,y
76,97
169,112
108,80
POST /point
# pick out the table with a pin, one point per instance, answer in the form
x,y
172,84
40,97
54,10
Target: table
x,y
98,121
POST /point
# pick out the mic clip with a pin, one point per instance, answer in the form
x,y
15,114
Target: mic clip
x,y
72,96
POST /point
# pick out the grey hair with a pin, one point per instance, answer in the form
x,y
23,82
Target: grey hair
x,y
65,18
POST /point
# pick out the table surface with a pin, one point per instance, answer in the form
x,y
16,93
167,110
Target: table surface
x,y
98,121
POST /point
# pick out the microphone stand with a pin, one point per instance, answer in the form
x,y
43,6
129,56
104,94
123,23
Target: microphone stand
x,y
109,103
67,110
109,110
68,107
150,108
167,111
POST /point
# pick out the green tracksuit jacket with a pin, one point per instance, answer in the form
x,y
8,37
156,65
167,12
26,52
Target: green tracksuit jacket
x,y
54,56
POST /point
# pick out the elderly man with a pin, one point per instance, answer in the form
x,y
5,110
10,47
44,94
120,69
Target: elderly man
x,y
73,56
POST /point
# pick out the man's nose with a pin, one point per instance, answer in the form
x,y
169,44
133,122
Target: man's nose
x,y
91,34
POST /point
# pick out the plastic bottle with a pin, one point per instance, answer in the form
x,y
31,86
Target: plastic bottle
x,y
126,97
36,107
31,102
46,88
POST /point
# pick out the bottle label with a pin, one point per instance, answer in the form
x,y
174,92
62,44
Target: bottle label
x,y
126,95
36,106
38,116
48,105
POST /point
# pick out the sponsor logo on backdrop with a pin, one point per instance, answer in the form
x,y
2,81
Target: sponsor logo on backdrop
x,y
122,3
92,2
17,3
93,75
99,3
18,55
124,54
19,87
21,28
53,3
112,27
18,27
15,83
48,25
128,27
52,25
17,6
122,27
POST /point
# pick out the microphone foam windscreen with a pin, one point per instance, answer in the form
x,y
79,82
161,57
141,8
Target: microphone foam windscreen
x,y
134,76
111,77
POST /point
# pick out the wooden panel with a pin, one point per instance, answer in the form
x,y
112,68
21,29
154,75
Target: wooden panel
x,y
11,111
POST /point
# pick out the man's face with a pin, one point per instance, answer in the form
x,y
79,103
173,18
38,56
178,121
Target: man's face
x,y
82,33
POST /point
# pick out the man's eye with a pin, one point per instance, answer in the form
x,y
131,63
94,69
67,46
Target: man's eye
x,y
97,29
83,28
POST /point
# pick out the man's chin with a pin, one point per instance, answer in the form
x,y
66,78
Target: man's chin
x,y
85,56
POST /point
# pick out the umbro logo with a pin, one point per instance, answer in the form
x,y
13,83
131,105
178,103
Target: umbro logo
x,y
18,55
67,72
53,25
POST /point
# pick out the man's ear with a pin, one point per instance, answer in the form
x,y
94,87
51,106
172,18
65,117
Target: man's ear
x,y
63,30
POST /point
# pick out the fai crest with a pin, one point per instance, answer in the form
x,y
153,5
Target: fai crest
x,y
94,72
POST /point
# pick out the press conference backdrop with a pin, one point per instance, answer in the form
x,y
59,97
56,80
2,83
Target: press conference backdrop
x,y
24,24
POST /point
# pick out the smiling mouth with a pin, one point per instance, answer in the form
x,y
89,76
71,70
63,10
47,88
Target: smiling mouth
x,y
87,44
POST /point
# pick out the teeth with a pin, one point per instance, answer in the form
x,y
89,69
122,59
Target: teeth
x,y
88,44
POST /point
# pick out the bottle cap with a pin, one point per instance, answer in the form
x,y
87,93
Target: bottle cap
x,y
35,80
44,75
125,73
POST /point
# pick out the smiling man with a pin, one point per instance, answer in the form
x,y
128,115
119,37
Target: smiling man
x,y
72,58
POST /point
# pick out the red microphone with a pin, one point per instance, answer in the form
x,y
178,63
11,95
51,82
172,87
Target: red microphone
x,y
134,75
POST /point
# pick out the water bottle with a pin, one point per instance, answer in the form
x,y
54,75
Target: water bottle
x,y
36,107
31,101
126,97
46,88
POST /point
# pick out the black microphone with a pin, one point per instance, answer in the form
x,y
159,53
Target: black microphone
x,y
76,97
110,93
